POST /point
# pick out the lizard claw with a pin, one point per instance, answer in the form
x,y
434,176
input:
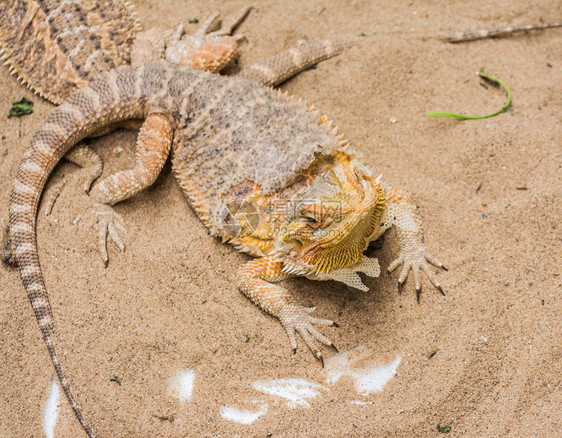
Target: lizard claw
x,y
319,356
110,223
417,260
297,319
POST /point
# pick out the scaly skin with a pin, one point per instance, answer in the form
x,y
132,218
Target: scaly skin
x,y
317,211
65,44
55,46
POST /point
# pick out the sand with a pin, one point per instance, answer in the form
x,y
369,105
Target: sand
x,y
484,360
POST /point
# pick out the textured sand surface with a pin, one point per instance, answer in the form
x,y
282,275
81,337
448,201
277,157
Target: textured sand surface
x,y
485,359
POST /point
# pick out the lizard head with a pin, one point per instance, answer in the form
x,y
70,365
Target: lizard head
x,y
331,218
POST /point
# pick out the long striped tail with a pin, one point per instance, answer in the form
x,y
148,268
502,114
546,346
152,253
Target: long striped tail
x,y
112,97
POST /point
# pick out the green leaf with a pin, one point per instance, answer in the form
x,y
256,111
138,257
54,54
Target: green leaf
x,y
495,113
21,107
443,429
193,21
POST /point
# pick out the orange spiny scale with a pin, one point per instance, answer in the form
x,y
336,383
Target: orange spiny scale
x,y
397,195
249,245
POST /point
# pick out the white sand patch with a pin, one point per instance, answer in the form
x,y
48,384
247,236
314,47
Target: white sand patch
x,y
51,410
181,385
368,379
244,417
296,391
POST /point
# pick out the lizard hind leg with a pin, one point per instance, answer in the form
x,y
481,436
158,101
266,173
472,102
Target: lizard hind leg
x,y
84,157
286,64
153,147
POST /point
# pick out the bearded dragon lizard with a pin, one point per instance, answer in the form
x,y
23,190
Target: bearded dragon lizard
x,y
237,148
262,170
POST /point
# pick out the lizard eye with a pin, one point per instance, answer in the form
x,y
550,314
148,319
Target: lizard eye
x,y
312,221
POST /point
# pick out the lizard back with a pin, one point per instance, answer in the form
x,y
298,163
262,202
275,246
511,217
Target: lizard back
x,y
230,131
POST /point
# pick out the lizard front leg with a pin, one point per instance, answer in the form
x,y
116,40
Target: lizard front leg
x,y
401,212
254,279
153,146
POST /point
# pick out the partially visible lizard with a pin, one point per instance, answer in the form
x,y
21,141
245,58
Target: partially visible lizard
x,y
54,47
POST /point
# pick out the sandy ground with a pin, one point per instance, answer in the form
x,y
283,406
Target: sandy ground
x,y
484,360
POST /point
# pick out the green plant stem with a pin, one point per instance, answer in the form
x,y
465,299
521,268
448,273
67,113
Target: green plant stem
x,y
495,113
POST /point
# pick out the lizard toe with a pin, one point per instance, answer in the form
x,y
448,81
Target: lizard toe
x,y
297,319
109,224
417,261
